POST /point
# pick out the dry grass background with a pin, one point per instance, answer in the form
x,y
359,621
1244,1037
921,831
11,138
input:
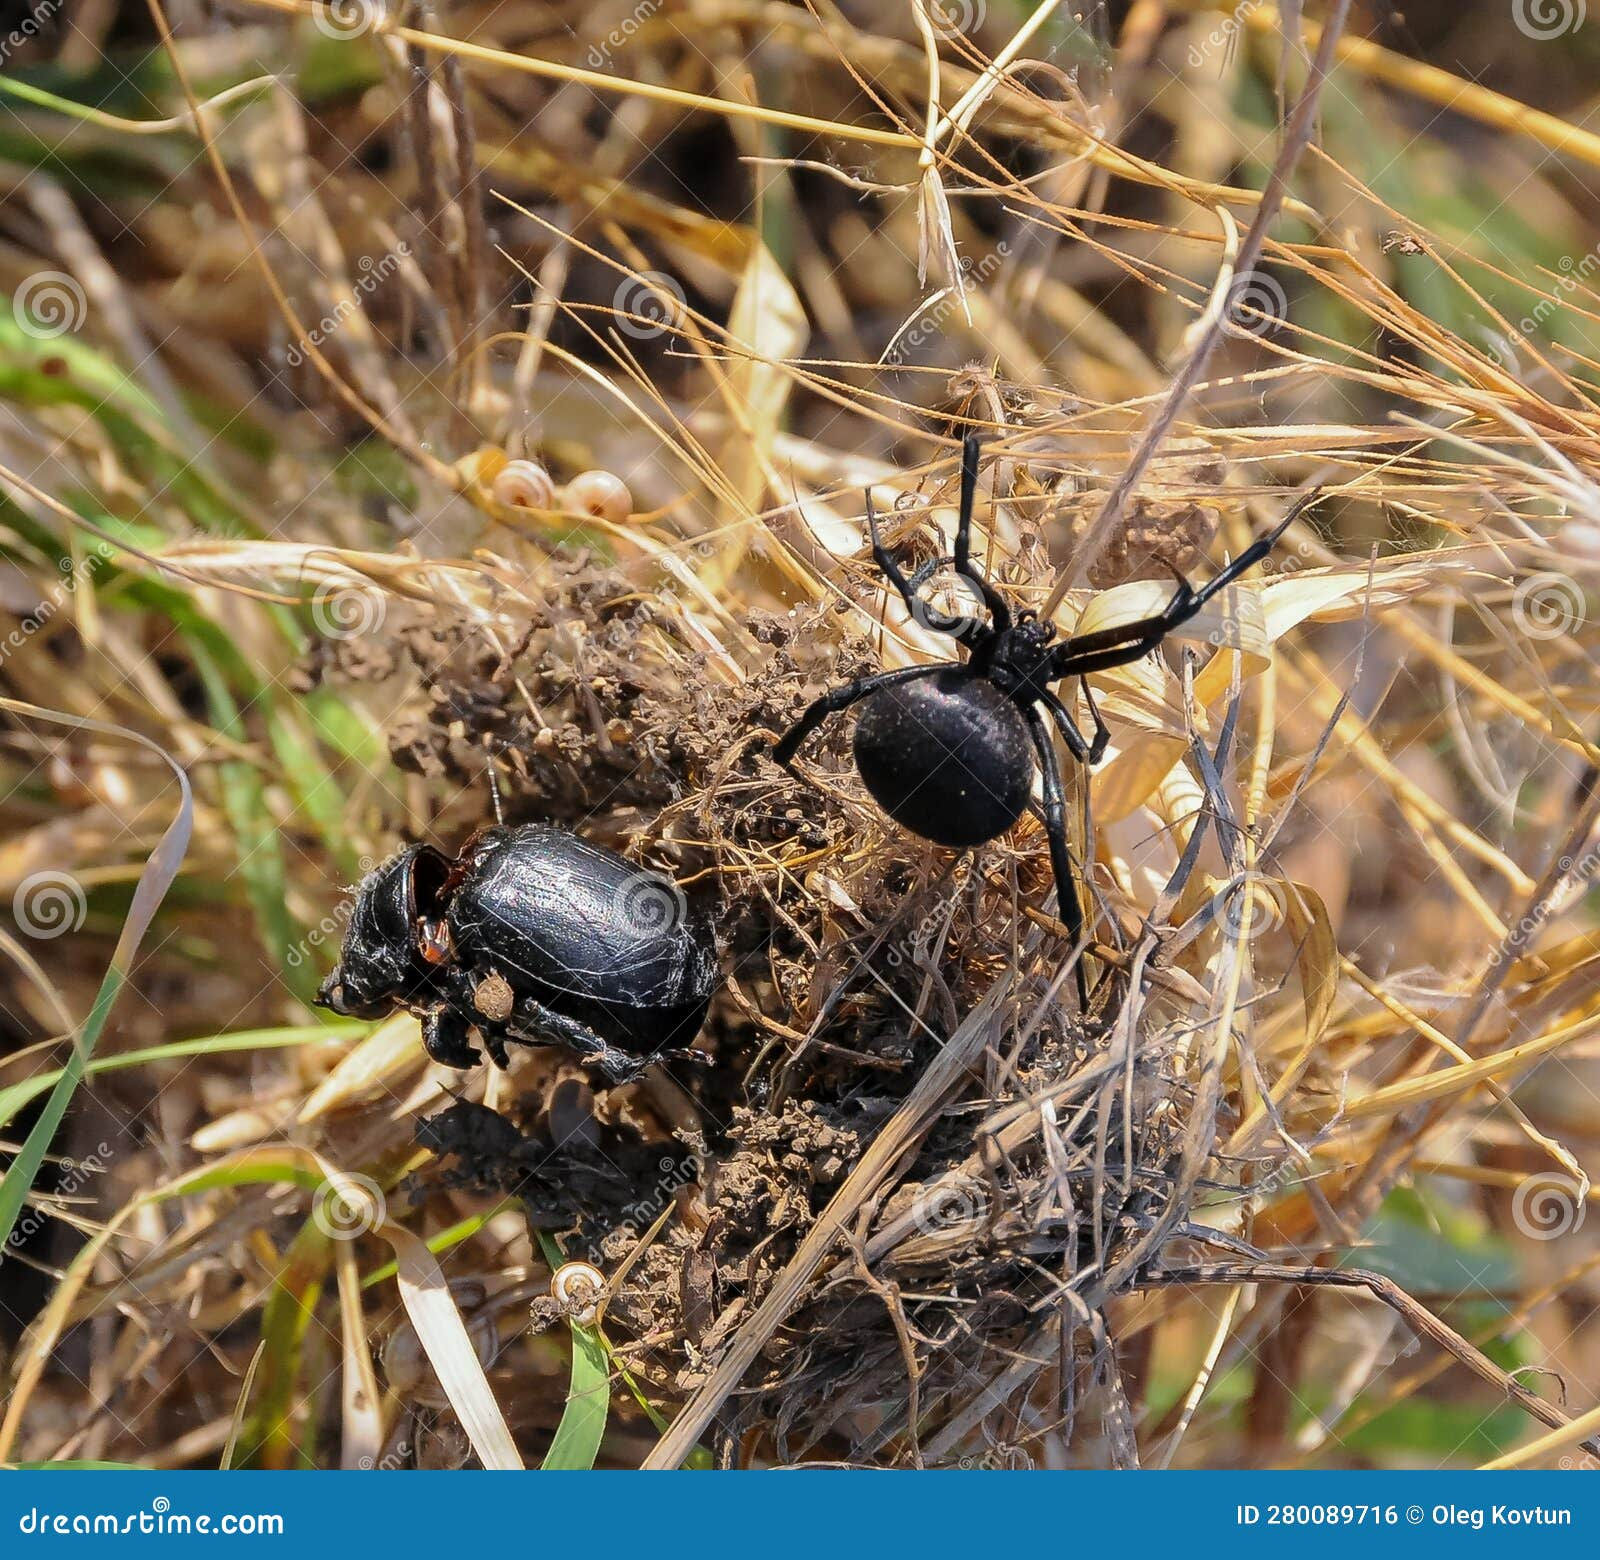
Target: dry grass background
x,y
292,284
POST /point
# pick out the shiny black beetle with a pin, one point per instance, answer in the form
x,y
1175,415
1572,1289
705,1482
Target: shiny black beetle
x,y
528,934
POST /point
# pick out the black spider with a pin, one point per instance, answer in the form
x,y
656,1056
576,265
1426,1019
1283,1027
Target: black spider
x,y
948,750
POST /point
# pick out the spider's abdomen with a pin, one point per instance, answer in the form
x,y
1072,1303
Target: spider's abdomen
x,y
948,757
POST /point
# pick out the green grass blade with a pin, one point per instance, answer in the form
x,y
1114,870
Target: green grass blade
x,y
583,1420
269,1439
154,881
20,1095
256,834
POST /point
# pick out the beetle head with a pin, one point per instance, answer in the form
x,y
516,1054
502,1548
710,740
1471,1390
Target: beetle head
x,y
382,957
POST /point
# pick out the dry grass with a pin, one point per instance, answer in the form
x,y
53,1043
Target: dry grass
x,y
1306,1185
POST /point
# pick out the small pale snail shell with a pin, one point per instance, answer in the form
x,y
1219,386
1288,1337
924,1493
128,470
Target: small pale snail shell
x,y
578,1285
523,484
601,494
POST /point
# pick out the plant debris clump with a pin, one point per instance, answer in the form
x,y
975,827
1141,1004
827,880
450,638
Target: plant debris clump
x,y
873,949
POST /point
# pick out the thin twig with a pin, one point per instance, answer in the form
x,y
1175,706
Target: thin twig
x,y
1298,133
1418,1317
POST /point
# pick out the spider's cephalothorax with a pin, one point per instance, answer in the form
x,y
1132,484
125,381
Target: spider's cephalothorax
x,y
949,750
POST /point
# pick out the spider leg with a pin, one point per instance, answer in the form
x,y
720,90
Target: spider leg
x,y
1100,651
841,698
999,610
1102,732
1255,552
921,612
888,566
966,629
1055,828
1108,647
1077,743
1122,642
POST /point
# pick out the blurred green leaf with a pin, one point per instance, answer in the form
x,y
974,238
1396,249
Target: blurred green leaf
x,y
1456,1432
1427,1246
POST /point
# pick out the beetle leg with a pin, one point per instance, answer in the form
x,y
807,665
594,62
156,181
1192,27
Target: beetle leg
x,y
547,1024
687,1053
444,1035
619,1067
